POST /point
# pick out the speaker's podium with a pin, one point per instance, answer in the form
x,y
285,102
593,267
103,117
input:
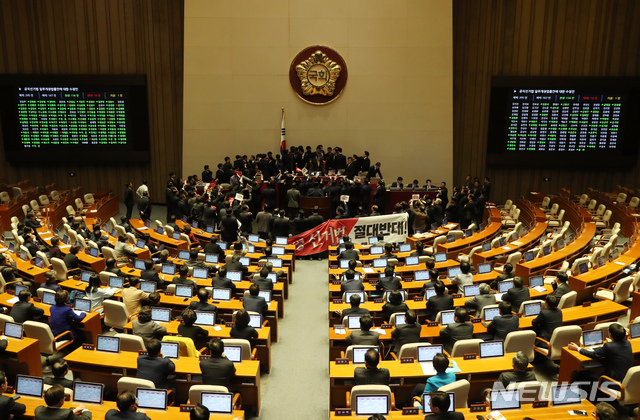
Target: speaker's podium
x,y
324,206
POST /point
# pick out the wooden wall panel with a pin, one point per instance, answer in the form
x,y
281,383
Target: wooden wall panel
x,y
102,37
535,38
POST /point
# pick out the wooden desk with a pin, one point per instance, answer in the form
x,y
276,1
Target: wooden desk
x,y
635,306
571,361
464,245
171,244
107,368
525,242
23,356
25,269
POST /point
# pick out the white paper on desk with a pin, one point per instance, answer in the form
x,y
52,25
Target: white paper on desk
x,y
64,246
3,249
78,312
620,263
93,211
451,225
340,331
516,243
506,247
379,330
368,270
499,296
13,300
217,328
143,228
428,369
540,289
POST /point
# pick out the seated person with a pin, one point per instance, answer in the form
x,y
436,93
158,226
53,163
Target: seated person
x,y
439,302
388,252
54,398
350,283
111,268
239,249
187,329
127,408
433,276
220,280
547,320
63,318
380,240
388,282
98,237
96,294
520,362
561,285
199,412
71,260
149,274
194,242
459,330
464,278
363,336
242,329
122,249
236,265
146,328
202,304
406,333
23,310
8,406
419,252
349,253
217,370
370,374
355,308
54,251
264,282
181,278
503,324
605,411
394,305
50,282
397,183
508,274
517,294
439,404
59,370
193,260
154,366
253,302
441,378
154,299
133,297
483,299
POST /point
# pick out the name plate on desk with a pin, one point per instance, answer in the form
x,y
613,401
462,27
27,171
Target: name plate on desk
x,y
342,412
540,404
410,411
168,293
418,299
143,353
432,324
37,299
469,356
386,326
407,280
476,320
186,408
457,296
477,408
342,361
378,300
586,303
229,324
11,291
407,360
335,282
88,347
337,301
205,356
373,281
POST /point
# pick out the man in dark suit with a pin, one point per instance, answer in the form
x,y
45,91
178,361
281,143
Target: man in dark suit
x,y
229,225
480,301
264,282
111,267
315,219
155,367
149,274
406,333
253,302
8,406
388,282
399,183
363,336
439,302
517,294
281,225
355,308
439,404
349,283
547,320
503,324
70,260
370,374
207,174
23,310
374,171
459,330
236,265
339,160
508,274
217,370
202,304
561,286
54,398
59,371
127,408
520,362
144,206
349,253
220,281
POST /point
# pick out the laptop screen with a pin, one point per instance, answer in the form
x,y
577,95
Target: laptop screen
x,y
353,322
528,256
359,352
375,250
403,293
583,267
486,246
221,294
19,288
546,250
422,275
176,236
277,250
13,329
429,292
426,400
634,330
536,281
404,247
490,313
205,318
372,404
108,343
85,276
447,317
148,286
592,338
565,394
255,320
472,290
200,273
140,243
169,349
93,251
160,230
184,291
560,244
266,294
87,392
245,261
453,272
347,296
139,265
234,276
503,241
450,238
233,353
211,258
400,319
161,314
468,233
532,309
503,286
484,268
49,298
379,263
505,400
39,262
412,260
183,255
253,238
152,398
440,257
81,304
168,269
491,349
29,385
344,264
218,402
282,240
277,262
426,353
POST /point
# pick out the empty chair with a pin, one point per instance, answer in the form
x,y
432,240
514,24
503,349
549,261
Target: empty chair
x,y
619,291
604,221
629,392
44,200
438,240
47,342
556,221
621,198
633,203
54,195
120,231
560,338
72,214
583,200
523,341
507,206
168,230
34,205
370,390
512,259
89,200
60,269
545,203
511,220
469,258
576,263
4,197
462,347
457,233
26,209
116,314
553,210
127,383
461,390
568,300
111,253
600,211
158,223
17,192
130,342
592,206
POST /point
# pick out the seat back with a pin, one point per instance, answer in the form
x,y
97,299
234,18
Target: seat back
x,y
184,237
576,263
508,204
439,240
631,384
462,347
158,223
246,346
60,268
601,209
34,205
44,200
621,198
621,289
116,314
633,203
4,318
108,252
568,300
461,390
475,249
561,337
592,205
514,258
120,231
4,197
131,238
26,209
521,341
44,257
89,199
70,211
130,342
168,230
457,233
411,350
127,383
349,352
583,199
41,332
545,202
54,195
195,392
554,209
73,236
25,249
79,203
359,390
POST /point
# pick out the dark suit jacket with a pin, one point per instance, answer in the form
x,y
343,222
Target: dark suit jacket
x,y
255,304
53,413
351,285
547,321
617,358
355,311
217,371
156,369
515,296
25,311
71,261
389,308
501,277
516,376
389,283
222,283
561,290
480,301
439,303
349,254
152,275
115,414
360,337
263,283
371,376
454,332
502,325
405,334
8,406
